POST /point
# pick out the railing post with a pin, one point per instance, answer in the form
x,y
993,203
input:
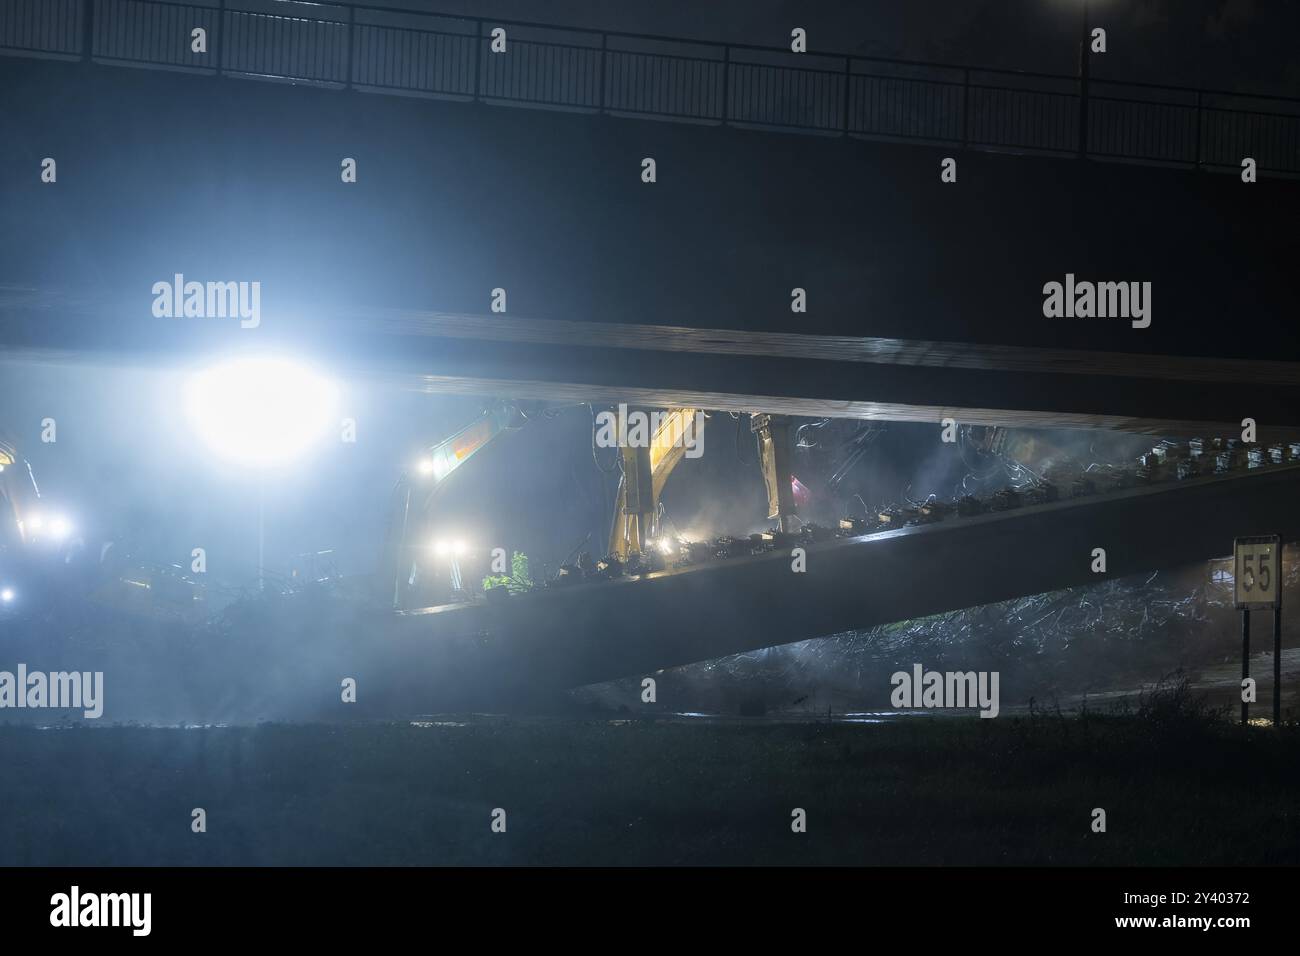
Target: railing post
x,y
848,89
604,66
88,29
478,57
1198,129
726,82
352,40
965,108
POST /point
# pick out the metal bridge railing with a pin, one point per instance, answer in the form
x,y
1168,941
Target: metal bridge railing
x,y
395,51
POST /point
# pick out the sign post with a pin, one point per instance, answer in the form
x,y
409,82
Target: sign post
x,y
1257,583
1277,662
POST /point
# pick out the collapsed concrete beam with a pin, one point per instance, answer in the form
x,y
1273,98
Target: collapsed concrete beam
x,y
504,653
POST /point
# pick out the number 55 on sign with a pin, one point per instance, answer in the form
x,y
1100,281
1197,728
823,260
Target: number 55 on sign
x,y
1257,571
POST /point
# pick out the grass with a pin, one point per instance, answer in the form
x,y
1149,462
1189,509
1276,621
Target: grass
x,y
1178,785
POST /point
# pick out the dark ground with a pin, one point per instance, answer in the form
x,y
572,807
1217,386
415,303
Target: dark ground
x,y
1178,786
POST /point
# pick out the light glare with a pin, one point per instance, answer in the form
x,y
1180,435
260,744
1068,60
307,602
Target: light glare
x,y
260,411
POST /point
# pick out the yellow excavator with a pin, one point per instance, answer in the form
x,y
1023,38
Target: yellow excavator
x,y
45,560
18,492
32,539
645,470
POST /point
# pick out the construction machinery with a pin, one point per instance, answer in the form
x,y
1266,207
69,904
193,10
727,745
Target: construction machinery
x,y
1181,502
406,574
17,492
635,532
15,481
645,469
743,594
46,560
35,541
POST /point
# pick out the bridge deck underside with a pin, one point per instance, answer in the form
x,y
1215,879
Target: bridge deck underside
x,y
723,369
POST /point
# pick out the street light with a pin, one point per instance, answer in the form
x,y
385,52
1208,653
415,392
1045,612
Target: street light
x,y
263,412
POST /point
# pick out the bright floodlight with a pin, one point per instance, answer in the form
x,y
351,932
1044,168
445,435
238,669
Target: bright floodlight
x,y
59,528
7,595
260,411
34,522
425,466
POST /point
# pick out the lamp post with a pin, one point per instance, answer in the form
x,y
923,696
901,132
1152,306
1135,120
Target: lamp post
x,y
263,413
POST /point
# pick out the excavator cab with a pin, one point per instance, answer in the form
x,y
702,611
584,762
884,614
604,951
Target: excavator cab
x,y
407,574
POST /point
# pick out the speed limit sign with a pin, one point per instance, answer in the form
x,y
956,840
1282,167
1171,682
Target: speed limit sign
x,y
1257,564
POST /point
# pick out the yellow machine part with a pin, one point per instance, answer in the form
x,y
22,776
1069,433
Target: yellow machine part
x,y
15,495
633,528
